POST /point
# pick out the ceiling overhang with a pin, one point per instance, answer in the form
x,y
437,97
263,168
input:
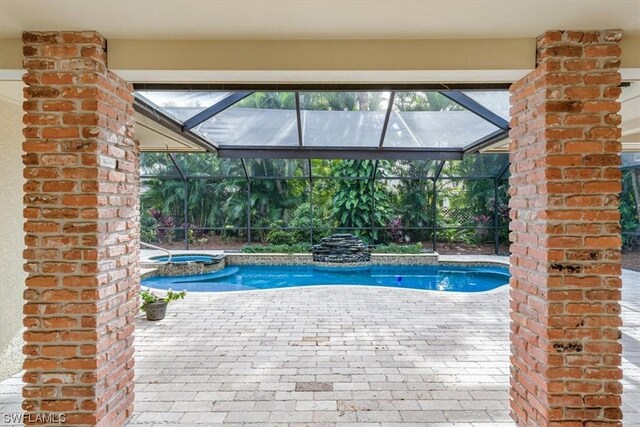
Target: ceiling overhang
x,y
314,61
317,19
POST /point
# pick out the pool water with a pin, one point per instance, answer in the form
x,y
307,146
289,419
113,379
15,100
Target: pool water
x,y
453,278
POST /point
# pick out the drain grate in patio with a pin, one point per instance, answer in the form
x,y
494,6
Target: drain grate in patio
x,y
314,386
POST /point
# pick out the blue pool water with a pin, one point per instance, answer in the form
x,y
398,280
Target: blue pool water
x,y
253,277
180,259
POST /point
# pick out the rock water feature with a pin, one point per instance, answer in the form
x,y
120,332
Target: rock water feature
x,y
341,249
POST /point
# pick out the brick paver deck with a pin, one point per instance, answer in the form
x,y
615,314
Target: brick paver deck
x,y
349,355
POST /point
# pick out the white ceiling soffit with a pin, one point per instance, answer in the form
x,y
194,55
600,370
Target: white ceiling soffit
x,y
317,19
327,76
630,111
12,91
155,137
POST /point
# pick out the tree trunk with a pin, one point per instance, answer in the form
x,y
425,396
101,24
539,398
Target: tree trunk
x,y
363,101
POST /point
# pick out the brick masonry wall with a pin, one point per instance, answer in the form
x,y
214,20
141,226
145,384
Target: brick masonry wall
x,y
565,234
81,211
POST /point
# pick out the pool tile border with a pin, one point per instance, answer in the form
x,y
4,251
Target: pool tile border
x,y
307,259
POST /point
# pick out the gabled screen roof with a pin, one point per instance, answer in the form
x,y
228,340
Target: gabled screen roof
x,y
367,124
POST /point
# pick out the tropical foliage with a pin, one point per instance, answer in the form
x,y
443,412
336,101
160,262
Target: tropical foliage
x,y
630,209
362,204
282,204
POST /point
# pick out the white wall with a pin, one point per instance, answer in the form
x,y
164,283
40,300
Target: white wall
x,y
11,237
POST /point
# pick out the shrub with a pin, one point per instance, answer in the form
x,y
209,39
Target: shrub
x,y
164,234
148,235
147,227
270,249
398,249
456,235
482,222
200,237
395,233
281,237
301,219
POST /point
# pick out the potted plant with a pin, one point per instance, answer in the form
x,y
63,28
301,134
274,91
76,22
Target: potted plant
x,y
156,306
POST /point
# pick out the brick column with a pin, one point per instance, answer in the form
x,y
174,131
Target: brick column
x,y
81,196
565,233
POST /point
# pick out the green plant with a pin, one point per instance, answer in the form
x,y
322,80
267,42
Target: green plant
x,y
629,209
302,221
148,235
398,249
149,297
359,203
211,201
274,200
504,234
415,202
454,235
483,229
288,249
280,237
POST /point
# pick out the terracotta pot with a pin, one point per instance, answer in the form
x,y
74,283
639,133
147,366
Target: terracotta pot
x,y
156,310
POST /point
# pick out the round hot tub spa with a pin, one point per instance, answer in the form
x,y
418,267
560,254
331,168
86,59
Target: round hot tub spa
x,y
184,264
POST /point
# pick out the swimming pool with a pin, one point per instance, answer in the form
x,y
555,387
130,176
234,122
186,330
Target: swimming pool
x,y
452,278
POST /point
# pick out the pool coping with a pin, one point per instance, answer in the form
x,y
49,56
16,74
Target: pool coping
x,y
206,294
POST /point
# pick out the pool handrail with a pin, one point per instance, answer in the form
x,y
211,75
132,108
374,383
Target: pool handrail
x,y
158,248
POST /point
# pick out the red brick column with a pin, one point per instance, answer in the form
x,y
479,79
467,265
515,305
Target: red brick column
x,y
81,196
565,233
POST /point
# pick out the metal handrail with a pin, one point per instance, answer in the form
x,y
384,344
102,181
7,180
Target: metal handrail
x,y
150,246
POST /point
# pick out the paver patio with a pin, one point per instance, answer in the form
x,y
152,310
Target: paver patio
x,y
325,355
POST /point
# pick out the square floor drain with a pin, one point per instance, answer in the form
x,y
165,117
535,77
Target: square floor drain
x,y
314,386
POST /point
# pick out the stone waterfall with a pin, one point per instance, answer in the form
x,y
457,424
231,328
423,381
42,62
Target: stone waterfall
x,y
341,249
